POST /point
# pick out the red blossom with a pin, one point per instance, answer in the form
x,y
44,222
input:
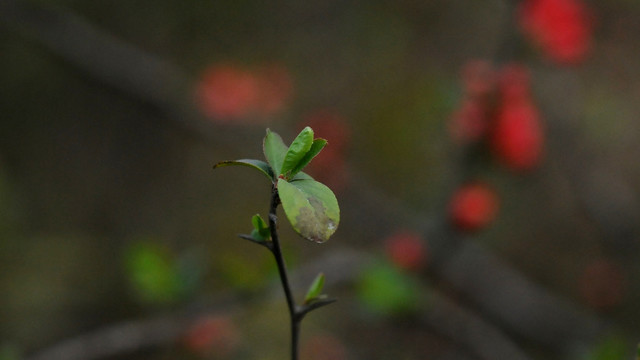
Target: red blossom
x,y
478,77
406,250
517,137
469,124
514,82
473,206
212,334
562,28
226,92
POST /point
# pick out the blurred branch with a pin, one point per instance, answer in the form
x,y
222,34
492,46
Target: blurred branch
x,y
490,285
114,340
342,267
468,331
112,62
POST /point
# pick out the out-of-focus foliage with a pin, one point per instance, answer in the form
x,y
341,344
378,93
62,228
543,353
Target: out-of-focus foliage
x,y
386,290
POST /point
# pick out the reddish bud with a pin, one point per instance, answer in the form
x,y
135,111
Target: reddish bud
x,y
469,124
517,136
212,334
478,77
562,28
473,206
514,82
406,250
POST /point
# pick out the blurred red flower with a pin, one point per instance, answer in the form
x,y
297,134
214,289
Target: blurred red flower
x,y
498,108
562,28
478,77
226,92
469,123
406,250
517,136
473,206
514,82
212,334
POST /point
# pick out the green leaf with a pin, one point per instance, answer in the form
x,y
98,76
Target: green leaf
x,y
260,227
260,165
315,289
296,152
302,176
316,147
311,207
274,151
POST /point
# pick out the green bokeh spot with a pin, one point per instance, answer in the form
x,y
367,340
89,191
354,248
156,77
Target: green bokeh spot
x,y
385,290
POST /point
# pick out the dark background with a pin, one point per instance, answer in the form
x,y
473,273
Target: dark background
x,y
103,151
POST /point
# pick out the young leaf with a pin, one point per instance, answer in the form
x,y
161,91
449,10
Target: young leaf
x,y
260,165
298,149
260,226
316,147
315,289
274,151
311,207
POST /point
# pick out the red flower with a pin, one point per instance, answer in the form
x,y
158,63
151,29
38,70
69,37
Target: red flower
x,y
212,334
406,250
469,124
514,82
473,206
478,77
231,93
562,28
227,92
517,137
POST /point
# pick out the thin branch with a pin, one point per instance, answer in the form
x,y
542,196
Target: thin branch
x,y
118,339
282,271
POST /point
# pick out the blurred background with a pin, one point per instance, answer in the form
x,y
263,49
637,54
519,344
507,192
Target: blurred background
x,y
484,155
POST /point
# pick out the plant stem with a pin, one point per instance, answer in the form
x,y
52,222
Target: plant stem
x,y
294,315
